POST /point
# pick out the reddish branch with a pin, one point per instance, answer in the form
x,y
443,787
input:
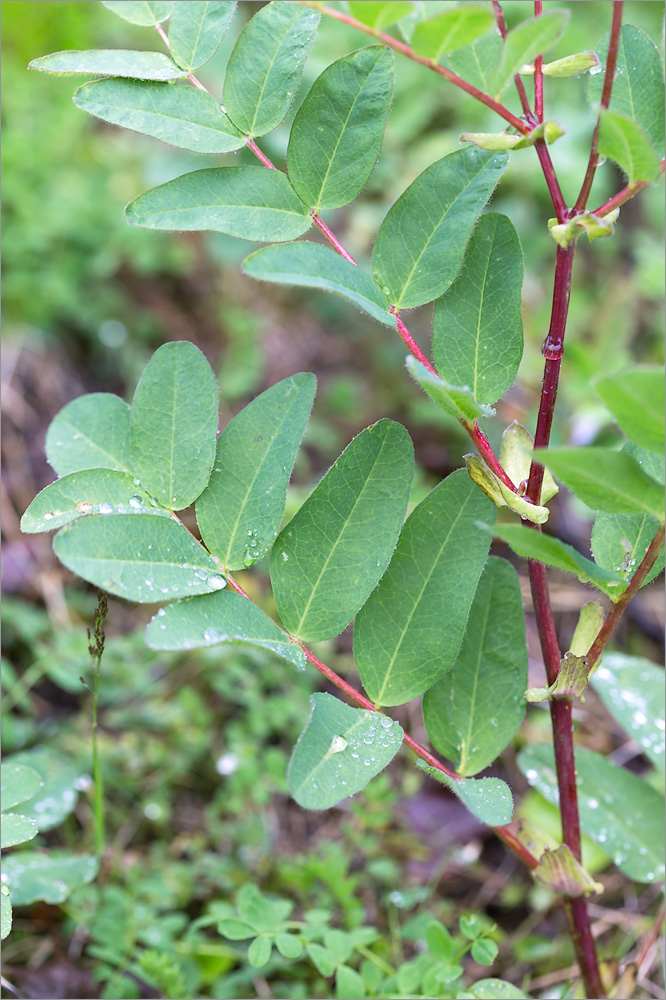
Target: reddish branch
x,y
538,72
630,191
611,63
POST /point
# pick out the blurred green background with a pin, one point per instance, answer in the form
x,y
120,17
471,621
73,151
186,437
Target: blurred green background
x,y
195,746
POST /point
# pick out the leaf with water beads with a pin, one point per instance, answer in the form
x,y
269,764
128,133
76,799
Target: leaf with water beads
x,y
339,752
632,689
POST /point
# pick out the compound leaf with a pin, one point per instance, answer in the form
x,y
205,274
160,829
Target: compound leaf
x,y
338,130
223,617
605,480
638,87
478,326
408,633
472,713
142,558
635,397
339,752
110,62
173,424
240,510
91,491
251,203
618,810
524,43
266,64
312,265
452,29
329,557
421,242
182,116
197,29
91,432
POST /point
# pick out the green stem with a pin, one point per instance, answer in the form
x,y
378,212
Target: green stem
x,y
96,649
379,962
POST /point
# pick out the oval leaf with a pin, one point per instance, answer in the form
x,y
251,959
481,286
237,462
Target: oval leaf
x,y
338,130
452,29
225,617
17,830
475,710
409,632
312,265
380,13
55,797
91,432
329,557
266,64
477,62
182,116
456,400
146,12
638,86
478,325
494,989
144,559
91,491
489,799
110,62
605,480
196,30
524,43
18,783
33,875
421,242
618,810
632,689
635,397
173,424
251,203
240,510
624,141
339,752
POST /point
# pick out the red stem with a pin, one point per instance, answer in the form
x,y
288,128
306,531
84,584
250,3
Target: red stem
x,y
332,238
611,63
625,194
520,86
499,18
252,146
487,454
453,78
618,609
538,72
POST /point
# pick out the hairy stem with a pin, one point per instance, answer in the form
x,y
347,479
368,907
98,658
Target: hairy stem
x,y
628,192
611,63
618,609
406,50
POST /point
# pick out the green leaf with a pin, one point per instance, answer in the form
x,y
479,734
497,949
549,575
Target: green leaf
x,y
259,952
635,397
495,989
618,810
251,203
349,984
550,131
624,141
571,681
456,400
143,12
605,479
173,424
312,265
553,552
590,620
56,797
524,43
478,325
594,226
632,689
476,62
5,912
197,29
339,752
439,941
289,946
638,87
17,830
91,432
338,130
236,930
19,783
240,510
322,959
225,617
265,66
380,14
516,459
52,877
91,491
109,62
476,709
484,952
421,242
408,634
450,30
182,116
489,799
142,558
339,944
329,557
573,65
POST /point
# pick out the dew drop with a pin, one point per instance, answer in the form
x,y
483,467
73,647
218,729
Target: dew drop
x,y
338,744
216,582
